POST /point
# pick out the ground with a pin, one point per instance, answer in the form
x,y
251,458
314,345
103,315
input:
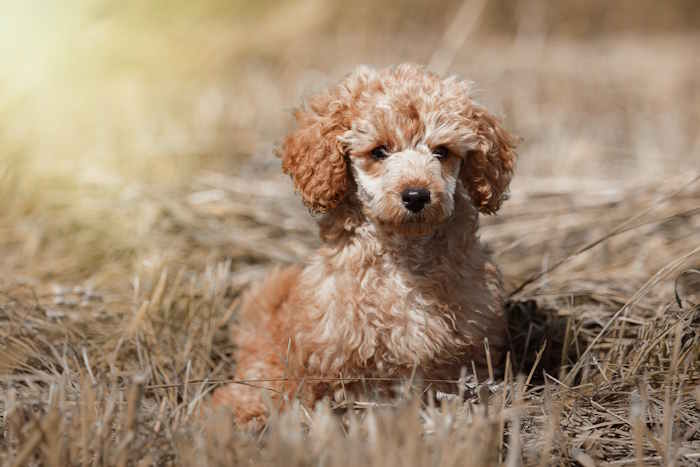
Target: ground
x,y
139,201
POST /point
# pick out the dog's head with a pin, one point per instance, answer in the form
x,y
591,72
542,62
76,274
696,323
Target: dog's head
x,y
404,142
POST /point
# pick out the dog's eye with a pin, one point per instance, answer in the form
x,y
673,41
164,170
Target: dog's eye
x,y
379,153
441,152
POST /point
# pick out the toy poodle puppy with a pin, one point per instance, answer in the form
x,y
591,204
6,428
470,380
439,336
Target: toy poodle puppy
x,y
397,163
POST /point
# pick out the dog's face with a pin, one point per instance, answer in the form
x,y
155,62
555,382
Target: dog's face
x,y
404,141
406,172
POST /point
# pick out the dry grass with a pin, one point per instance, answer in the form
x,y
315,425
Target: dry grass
x,y
135,211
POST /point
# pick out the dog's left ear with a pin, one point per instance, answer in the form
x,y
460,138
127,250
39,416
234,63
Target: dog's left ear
x,y
488,166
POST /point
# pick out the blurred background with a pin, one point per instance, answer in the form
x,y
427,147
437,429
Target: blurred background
x,y
126,125
140,195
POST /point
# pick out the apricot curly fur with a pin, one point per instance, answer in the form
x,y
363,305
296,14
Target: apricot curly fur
x,y
313,156
487,171
395,289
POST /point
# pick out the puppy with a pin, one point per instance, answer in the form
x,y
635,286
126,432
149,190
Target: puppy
x,y
398,163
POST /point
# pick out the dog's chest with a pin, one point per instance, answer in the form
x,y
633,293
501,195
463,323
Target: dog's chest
x,y
387,319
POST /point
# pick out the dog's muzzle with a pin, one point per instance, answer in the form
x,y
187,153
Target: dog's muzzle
x,y
415,199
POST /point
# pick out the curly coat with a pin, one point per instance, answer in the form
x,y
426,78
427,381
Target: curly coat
x,y
390,291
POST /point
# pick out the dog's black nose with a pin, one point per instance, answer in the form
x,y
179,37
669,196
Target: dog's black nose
x,y
415,199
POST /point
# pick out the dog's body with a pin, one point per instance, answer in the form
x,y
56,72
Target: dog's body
x,y
400,162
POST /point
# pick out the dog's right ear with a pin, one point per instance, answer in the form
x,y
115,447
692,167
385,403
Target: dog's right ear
x,y
313,156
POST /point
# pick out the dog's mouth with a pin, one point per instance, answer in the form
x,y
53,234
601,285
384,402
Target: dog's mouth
x,y
432,215
415,229
394,216
415,218
414,224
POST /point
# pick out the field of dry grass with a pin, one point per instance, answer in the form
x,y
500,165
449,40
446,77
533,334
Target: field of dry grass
x,y
139,196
